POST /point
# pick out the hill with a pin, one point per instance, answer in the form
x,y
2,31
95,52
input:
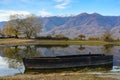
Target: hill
x,y
88,24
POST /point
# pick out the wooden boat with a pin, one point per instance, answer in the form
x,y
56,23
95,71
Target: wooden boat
x,y
65,62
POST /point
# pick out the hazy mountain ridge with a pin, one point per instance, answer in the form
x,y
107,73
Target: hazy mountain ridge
x,y
54,21
89,24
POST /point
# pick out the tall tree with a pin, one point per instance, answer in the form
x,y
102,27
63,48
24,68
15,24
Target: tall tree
x,y
16,21
32,25
8,30
12,27
28,26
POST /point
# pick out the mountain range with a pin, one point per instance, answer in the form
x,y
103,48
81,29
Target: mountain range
x,y
91,25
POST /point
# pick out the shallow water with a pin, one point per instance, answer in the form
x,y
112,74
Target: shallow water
x,y
11,56
6,70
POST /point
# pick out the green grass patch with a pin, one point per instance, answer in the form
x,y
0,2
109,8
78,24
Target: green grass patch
x,y
54,42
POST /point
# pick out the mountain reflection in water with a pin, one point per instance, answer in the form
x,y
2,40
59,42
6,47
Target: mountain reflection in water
x,y
11,56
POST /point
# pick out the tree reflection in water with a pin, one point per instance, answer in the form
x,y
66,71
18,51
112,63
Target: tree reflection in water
x,y
81,48
30,51
107,48
13,55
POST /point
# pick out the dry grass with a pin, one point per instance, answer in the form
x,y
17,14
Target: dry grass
x,y
13,41
58,76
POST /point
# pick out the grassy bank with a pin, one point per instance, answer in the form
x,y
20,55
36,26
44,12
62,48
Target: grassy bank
x,y
63,76
52,42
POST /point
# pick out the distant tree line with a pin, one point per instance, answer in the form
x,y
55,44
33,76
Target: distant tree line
x,y
107,36
56,37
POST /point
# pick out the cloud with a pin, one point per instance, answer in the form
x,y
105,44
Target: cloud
x,y
4,14
62,4
45,13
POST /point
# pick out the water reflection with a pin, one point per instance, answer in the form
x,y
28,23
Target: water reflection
x,y
18,52
51,46
107,48
81,48
12,55
7,69
116,69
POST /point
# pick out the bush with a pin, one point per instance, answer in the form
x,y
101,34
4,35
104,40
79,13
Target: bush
x,y
107,36
93,38
51,38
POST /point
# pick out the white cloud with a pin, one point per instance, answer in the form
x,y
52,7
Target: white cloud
x,y
45,13
62,4
4,14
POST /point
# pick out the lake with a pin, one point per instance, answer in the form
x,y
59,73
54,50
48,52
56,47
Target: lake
x,y
11,56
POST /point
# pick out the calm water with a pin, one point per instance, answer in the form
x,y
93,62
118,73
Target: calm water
x,y
11,56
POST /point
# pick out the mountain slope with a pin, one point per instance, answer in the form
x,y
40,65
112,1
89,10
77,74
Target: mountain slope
x,y
90,25
52,22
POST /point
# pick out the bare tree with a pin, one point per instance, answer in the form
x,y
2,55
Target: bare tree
x,y
28,26
107,36
16,21
8,30
13,27
32,26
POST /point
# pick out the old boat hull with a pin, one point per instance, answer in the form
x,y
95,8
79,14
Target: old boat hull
x,y
65,62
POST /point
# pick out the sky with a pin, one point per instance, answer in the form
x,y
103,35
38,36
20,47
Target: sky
x,y
58,7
